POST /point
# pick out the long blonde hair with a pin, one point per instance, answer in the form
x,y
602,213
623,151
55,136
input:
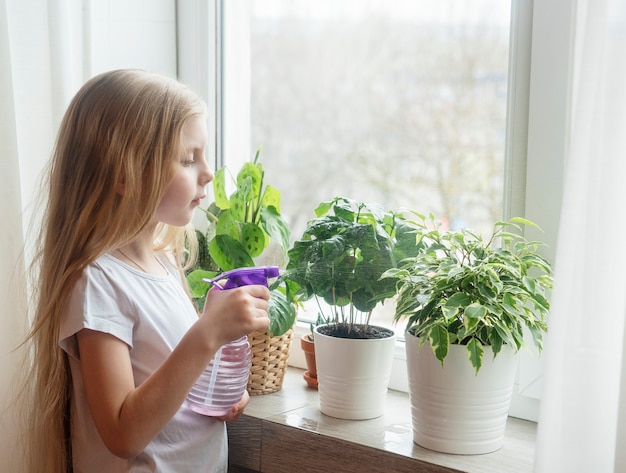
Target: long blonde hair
x,y
122,127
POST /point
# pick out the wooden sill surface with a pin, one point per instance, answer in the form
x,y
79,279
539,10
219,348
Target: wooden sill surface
x,y
279,429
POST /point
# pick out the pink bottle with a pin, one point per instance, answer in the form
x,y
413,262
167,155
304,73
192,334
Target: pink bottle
x,y
225,379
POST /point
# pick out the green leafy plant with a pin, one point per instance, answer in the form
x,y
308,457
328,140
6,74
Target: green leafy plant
x,y
341,256
474,292
242,227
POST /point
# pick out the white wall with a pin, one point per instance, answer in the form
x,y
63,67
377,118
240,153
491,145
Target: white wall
x,y
133,34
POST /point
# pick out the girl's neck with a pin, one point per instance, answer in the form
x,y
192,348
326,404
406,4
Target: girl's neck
x,y
142,258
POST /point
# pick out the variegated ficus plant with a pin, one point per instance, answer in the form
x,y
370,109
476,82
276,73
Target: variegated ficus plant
x,y
242,227
472,291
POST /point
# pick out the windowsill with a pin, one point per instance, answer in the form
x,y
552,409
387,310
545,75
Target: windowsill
x,y
278,430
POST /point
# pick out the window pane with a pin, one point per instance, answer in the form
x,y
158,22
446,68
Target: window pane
x,y
397,102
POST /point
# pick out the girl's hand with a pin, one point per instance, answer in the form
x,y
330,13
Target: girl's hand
x,y
231,314
237,410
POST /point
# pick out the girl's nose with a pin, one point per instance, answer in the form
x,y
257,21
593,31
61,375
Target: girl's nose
x,y
207,175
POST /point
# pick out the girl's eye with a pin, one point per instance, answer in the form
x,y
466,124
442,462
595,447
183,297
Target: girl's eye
x,y
187,162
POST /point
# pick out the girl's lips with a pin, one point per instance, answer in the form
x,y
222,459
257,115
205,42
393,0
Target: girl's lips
x,y
198,200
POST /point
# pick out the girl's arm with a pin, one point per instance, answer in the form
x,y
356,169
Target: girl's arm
x,y
129,417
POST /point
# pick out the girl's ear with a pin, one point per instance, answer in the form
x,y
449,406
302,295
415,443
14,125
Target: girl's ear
x,y
120,188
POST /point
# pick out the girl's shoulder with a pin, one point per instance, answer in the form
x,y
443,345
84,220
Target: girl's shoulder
x,y
110,265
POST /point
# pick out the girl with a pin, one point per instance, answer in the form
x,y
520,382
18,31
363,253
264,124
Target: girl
x,y
117,343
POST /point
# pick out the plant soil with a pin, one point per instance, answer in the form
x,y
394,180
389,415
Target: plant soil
x,y
355,331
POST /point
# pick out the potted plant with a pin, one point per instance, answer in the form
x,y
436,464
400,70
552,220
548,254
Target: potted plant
x,y
307,343
338,262
245,228
468,303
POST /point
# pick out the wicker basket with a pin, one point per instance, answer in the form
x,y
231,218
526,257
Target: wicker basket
x,y
269,362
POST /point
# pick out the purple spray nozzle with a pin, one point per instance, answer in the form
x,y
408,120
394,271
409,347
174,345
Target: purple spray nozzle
x,y
246,276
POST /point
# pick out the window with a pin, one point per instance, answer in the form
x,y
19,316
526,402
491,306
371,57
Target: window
x,y
396,102
492,130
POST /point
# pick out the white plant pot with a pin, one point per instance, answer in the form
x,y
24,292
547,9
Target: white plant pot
x,y
455,410
353,375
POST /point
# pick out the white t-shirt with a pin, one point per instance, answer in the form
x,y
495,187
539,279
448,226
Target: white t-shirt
x,y
150,314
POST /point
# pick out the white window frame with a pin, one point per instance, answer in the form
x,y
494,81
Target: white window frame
x,y
536,124
199,61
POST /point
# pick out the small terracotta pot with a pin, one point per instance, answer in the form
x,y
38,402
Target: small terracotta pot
x,y
308,346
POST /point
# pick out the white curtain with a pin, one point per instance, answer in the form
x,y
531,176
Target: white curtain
x,y
39,72
11,321
582,417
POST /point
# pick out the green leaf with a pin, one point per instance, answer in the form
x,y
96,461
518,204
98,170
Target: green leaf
x,y
197,286
475,353
395,273
470,324
496,342
282,314
250,172
253,239
228,253
523,221
276,227
440,342
219,189
486,291
475,311
460,299
204,260
332,248
529,284
228,225
449,312
271,198
537,335
347,209
323,208
364,300
241,200
504,332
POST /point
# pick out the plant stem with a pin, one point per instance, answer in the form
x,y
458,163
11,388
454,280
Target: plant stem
x,y
367,319
319,306
210,216
256,211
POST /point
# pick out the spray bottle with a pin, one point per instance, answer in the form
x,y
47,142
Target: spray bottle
x,y
225,379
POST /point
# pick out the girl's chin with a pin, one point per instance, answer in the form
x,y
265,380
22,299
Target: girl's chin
x,y
178,222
